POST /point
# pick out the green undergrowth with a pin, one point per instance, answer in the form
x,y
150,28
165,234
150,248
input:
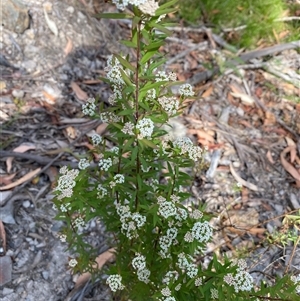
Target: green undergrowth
x,y
260,18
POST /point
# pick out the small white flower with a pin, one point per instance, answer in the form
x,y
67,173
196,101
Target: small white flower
x,y
161,76
214,293
79,222
115,150
149,7
143,275
198,281
105,164
114,282
63,237
96,139
119,178
145,126
128,128
139,262
72,262
186,90
202,231
172,76
83,164
167,209
89,107
166,292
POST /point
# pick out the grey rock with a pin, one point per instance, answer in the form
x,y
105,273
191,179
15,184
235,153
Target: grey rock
x,y
14,16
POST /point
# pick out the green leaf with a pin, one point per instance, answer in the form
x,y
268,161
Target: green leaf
x,y
148,143
124,63
149,86
165,5
125,112
146,57
126,78
161,28
154,45
135,21
128,144
129,44
114,16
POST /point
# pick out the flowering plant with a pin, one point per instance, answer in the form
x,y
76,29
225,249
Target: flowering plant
x,y
140,184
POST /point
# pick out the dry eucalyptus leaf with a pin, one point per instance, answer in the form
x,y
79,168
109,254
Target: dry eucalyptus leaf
x,y
245,99
50,23
81,95
21,180
101,260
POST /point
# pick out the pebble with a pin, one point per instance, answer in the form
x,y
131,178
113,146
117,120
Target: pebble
x,y
26,204
45,275
70,9
7,291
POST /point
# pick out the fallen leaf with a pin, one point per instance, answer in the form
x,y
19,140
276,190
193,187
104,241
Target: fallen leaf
x,y
21,180
2,239
201,134
269,157
101,128
68,47
242,181
6,179
71,132
101,260
288,166
246,99
20,149
50,23
208,92
81,95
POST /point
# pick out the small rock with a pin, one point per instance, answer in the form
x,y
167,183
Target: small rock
x,y
240,112
7,291
45,275
26,204
70,9
15,15
236,164
18,94
29,65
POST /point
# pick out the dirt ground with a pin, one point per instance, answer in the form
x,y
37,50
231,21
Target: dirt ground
x,y
245,116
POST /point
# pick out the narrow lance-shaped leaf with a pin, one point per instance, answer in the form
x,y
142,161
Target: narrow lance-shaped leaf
x,y
124,63
114,16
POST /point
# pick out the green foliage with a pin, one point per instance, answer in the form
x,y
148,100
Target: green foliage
x,y
139,186
260,18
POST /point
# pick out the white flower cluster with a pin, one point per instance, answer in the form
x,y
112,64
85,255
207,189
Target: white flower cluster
x,y
121,4
242,280
128,128
96,139
83,164
145,126
186,90
119,178
170,276
165,241
62,237
169,104
72,262
296,280
149,7
115,282
172,76
214,293
105,164
161,76
109,117
187,147
183,263
101,191
151,94
79,222
202,231
89,107
139,264
66,182
114,150
130,221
